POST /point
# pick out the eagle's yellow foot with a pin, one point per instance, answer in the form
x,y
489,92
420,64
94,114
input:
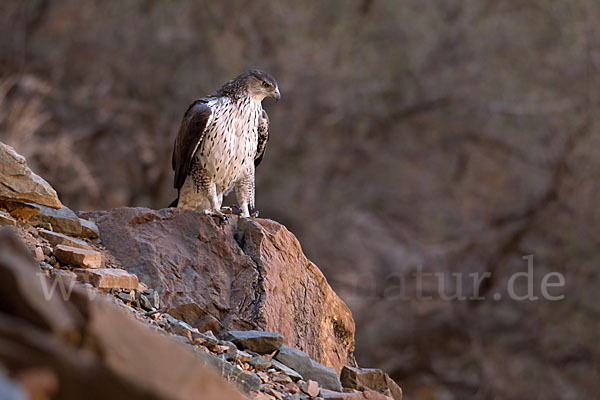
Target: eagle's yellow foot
x,y
233,210
215,213
255,214
227,210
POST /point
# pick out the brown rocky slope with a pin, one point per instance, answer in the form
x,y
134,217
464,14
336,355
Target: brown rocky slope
x,y
155,304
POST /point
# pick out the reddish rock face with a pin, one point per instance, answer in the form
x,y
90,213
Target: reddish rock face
x,y
241,274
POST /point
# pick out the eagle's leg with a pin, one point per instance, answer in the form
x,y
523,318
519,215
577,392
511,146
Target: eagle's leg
x,y
244,192
214,200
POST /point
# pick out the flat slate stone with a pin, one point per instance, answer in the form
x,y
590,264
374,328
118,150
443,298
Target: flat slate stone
x,y
258,341
62,220
56,238
108,278
89,229
300,362
261,363
286,370
79,257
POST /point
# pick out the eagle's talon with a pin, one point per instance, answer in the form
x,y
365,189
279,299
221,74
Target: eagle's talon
x,y
255,214
238,210
216,214
227,210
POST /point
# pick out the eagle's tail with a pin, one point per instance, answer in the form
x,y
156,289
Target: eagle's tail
x,y
174,202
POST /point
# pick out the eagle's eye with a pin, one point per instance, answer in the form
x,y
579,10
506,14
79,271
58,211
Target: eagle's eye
x,y
266,84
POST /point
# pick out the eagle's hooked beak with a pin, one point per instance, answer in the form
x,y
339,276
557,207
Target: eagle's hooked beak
x,y
276,95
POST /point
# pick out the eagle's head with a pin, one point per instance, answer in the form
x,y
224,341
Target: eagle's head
x,y
254,83
261,84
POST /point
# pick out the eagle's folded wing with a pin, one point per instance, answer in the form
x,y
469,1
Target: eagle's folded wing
x,y
190,137
263,137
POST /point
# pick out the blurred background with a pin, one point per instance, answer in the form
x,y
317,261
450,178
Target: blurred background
x,y
456,136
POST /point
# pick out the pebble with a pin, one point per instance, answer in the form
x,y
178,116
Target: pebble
x,y
205,339
311,388
238,356
39,254
127,297
152,296
280,378
145,303
260,362
286,370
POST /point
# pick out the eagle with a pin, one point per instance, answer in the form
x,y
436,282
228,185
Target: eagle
x,y
221,141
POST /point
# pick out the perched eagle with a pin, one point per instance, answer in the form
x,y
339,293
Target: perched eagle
x,y
221,140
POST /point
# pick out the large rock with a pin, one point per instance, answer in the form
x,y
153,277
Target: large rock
x,y
19,184
243,273
92,349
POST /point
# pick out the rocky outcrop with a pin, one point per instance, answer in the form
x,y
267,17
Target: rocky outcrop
x,y
75,324
19,184
241,274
